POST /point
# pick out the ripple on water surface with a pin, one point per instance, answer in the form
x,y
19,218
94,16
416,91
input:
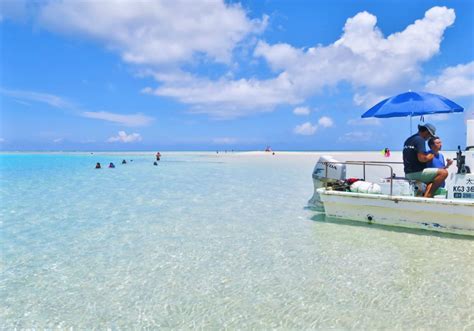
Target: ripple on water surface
x,y
210,241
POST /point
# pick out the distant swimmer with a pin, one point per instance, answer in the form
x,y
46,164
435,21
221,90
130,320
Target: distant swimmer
x,y
158,156
124,162
97,165
111,165
155,163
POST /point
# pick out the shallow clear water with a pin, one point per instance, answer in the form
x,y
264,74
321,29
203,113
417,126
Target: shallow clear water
x,y
210,241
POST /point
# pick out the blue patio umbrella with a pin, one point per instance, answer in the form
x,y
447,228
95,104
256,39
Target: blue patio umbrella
x,y
412,104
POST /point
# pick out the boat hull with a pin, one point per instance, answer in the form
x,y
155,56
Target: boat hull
x,y
442,215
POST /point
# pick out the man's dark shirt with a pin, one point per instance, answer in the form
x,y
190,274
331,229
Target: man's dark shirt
x,y
412,146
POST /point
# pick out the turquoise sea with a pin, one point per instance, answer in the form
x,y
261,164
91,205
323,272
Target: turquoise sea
x,y
210,241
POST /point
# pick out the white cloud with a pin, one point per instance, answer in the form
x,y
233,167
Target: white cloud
x,y
156,32
457,81
308,129
49,99
305,129
58,140
365,121
132,120
362,56
357,136
126,120
368,99
2,140
224,141
123,137
229,98
24,103
161,36
301,111
325,122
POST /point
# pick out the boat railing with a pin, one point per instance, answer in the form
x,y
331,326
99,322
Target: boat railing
x,y
364,164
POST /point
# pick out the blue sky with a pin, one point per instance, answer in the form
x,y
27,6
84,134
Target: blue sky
x,y
208,75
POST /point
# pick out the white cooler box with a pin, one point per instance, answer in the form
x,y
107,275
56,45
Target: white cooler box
x,y
401,187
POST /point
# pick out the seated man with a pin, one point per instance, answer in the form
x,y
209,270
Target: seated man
x,y
415,159
435,144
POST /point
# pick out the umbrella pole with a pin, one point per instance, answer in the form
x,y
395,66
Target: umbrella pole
x,y
411,130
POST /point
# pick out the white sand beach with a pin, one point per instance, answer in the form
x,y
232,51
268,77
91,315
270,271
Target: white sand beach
x,y
310,158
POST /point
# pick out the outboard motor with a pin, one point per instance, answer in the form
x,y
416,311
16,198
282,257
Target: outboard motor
x,y
460,185
461,162
327,171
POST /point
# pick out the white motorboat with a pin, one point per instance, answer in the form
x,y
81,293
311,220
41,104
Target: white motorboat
x,y
393,200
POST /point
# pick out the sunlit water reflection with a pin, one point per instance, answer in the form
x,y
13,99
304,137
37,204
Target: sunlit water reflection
x,y
210,241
